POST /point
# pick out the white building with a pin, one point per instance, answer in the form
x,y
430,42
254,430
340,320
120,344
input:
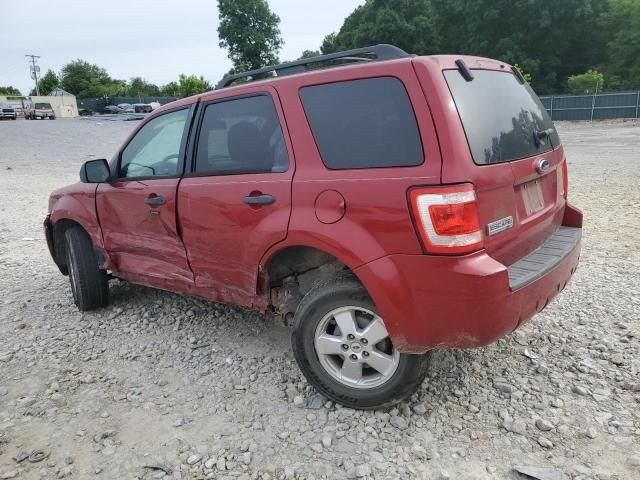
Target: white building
x,y
63,103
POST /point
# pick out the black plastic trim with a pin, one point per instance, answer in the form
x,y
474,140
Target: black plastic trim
x,y
382,51
464,70
544,258
516,71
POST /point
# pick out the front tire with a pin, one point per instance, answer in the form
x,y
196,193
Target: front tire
x,y
343,349
89,284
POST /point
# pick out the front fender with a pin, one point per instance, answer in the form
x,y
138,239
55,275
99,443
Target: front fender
x,y
79,208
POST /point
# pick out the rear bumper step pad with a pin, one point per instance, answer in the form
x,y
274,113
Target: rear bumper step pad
x,y
545,257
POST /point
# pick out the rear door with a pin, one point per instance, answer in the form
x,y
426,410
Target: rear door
x,y
236,202
511,153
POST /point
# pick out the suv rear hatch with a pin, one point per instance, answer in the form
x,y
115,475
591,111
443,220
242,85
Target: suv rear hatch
x,y
514,159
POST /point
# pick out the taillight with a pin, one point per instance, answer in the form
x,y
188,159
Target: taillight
x,y
565,180
447,218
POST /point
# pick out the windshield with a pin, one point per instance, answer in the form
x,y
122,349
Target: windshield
x,y
41,106
502,118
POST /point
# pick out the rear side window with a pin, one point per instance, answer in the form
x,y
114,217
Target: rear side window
x,y
241,136
363,124
501,117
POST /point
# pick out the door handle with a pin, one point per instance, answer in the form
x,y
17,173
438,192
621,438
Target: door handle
x,y
155,201
259,200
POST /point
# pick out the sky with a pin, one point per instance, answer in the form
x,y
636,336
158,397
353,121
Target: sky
x,y
154,39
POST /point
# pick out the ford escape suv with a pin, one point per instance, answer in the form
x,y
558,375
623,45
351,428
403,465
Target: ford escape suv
x,y
383,204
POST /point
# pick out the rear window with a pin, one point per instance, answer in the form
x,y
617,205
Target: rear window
x,y
42,106
501,117
363,124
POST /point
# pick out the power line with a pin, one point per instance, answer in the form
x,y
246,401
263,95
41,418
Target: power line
x,y
35,69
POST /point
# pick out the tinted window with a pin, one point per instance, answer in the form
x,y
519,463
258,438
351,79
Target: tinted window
x,y
155,149
500,116
43,106
363,123
241,136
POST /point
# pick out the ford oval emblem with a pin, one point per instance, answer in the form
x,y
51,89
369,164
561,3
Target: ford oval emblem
x,y
542,165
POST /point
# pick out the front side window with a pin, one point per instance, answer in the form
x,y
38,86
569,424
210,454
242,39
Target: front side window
x,y
155,149
241,136
363,123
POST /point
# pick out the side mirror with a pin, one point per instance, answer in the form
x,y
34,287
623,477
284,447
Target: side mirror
x,y
95,171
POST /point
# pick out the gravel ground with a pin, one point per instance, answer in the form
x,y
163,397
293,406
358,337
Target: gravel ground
x,y
211,391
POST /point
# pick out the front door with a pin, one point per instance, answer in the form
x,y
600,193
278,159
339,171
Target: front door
x,y
137,211
237,201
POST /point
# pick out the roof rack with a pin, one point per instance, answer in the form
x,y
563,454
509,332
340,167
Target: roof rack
x,y
382,51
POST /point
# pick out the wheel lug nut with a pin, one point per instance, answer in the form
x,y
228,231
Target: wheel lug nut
x,y
354,356
351,336
345,346
364,341
365,354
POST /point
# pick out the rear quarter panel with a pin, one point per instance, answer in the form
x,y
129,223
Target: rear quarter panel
x,y
377,221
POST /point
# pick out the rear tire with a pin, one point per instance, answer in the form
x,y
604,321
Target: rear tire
x,y
89,284
369,388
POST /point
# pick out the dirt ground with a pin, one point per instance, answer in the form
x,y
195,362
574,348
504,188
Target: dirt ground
x,y
210,391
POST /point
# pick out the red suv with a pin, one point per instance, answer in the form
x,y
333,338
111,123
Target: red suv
x,y
385,204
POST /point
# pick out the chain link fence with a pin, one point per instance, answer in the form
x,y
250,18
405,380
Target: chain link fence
x,y
597,106
97,105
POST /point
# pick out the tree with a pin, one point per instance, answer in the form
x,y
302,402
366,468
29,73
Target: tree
x,y
171,89
406,24
249,31
84,79
10,91
192,85
309,54
139,87
47,84
588,82
621,25
546,38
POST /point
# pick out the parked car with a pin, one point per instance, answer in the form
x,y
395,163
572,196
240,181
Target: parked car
x,y
111,109
126,108
39,110
142,108
8,112
386,208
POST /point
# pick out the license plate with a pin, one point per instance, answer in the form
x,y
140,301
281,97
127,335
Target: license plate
x,y
532,197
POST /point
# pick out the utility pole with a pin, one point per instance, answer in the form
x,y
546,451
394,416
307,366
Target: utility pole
x,y
35,69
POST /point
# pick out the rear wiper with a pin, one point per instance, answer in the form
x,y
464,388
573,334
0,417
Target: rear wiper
x,y
543,136
464,70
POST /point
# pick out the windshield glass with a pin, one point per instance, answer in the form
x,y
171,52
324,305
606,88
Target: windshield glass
x,y
41,106
501,117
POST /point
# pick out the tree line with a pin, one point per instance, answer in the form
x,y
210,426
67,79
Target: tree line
x,y
565,46
87,80
575,46
572,46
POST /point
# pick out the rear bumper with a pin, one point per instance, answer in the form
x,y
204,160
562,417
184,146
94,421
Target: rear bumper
x,y
462,302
